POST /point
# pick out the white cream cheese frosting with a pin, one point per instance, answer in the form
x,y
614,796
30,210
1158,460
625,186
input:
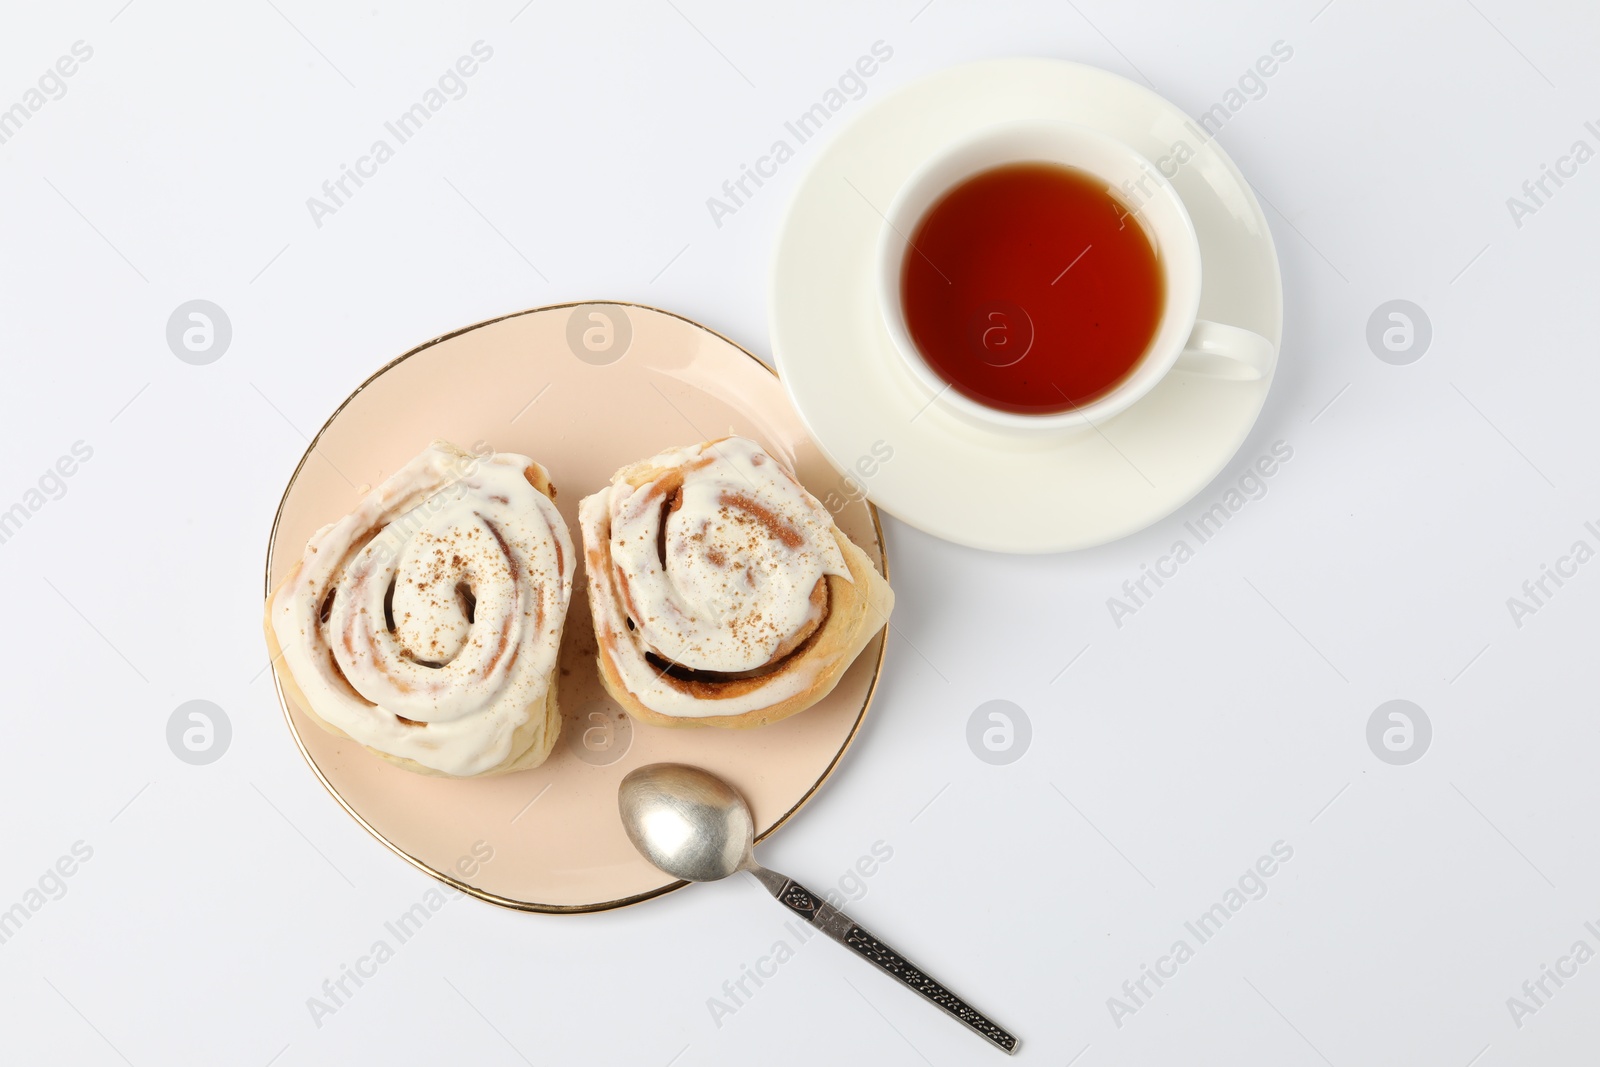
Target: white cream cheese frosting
x,y
427,623
714,565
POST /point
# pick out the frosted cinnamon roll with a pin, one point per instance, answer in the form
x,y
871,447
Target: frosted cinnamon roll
x,y
426,624
722,592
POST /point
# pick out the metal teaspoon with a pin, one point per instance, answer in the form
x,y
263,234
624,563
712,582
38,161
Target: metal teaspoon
x,y
693,825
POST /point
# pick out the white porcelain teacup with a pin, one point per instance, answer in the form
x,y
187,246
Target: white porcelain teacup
x,y
1181,340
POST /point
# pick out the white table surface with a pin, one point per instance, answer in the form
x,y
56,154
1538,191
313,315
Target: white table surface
x,y
1229,713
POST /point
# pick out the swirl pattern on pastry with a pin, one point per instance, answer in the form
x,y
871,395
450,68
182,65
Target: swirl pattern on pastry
x,y
426,624
722,593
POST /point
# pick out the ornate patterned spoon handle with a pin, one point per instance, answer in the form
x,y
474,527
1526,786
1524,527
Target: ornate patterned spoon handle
x,y
849,933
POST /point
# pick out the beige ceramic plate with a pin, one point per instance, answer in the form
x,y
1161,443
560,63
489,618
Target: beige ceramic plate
x,y
583,389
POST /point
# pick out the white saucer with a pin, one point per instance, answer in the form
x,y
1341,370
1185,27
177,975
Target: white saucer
x,y
981,487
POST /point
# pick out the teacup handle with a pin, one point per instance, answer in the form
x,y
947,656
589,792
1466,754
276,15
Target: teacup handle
x,y
1216,350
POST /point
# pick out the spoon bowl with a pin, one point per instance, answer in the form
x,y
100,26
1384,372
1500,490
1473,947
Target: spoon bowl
x,y
688,822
